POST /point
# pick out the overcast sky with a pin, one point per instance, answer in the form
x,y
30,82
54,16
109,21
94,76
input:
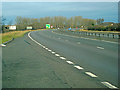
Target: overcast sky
x,y
91,10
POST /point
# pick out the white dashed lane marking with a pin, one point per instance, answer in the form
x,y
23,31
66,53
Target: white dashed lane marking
x,y
63,58
78,67
53,52
57,55
100,47
87,38
109,85
69,62
91,74
46,48
49,50
78,42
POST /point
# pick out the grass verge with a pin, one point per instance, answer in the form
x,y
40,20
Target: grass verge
x,y
9,35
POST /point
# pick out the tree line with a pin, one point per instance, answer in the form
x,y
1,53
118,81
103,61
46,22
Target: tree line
x,y
56,22
111,27
62,22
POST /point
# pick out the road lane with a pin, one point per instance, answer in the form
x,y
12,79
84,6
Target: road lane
x,y
27,64
104,63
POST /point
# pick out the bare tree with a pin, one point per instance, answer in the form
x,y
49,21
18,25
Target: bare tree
x,y
57,21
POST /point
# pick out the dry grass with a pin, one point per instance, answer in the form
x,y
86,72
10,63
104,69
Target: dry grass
x,y
9,35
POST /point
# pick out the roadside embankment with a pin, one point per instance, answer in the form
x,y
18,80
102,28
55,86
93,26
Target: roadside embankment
x,y
10,35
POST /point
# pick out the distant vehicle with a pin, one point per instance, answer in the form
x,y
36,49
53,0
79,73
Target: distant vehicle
x,y
69,28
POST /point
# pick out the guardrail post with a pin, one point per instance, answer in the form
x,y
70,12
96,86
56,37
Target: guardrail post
x,y
119,36
84,33
88,34
113,35
103,35
108,35
95,34
99,34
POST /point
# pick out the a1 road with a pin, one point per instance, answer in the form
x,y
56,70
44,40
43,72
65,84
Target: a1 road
x,y
27,64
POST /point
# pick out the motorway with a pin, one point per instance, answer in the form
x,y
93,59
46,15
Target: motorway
x,y
46,59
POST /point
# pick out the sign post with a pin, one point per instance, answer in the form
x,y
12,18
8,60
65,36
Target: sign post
x,y
47,26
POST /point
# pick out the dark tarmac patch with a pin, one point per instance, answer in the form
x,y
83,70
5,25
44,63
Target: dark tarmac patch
x,y
27,42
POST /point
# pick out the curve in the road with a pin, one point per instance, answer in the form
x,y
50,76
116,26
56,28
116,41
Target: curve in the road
x,y
107,84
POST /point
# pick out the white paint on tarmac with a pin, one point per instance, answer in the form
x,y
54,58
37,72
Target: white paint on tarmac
x,y
87,38
46,48
63,58
49,50
109,85
53,52
57,55
69,62
33,39
41,45
91,74
78,42
78,67
100,47
2,45
109,41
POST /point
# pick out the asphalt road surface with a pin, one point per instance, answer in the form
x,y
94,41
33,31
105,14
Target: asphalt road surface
x,y
45,59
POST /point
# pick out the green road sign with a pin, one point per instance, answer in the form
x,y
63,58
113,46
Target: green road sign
x,y
47,26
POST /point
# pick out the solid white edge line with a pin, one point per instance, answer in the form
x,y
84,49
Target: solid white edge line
x,y
78,67
33,39
91,74
109,85
63,58
69,62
